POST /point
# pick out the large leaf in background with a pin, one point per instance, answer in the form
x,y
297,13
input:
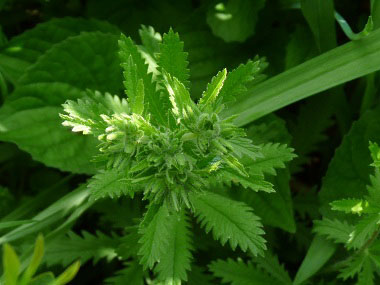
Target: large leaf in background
x,y
235,20
88,60
275,209
25,49
348,172
30,119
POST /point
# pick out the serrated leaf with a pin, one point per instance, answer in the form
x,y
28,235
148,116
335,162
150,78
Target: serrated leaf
x,y
182,106
353,266
375,154
273,155
173,59
363,230
230,221
239,273
84,115
112,183
212,91
255,182
155,235
339,231
239,79
150,39
272,266
134,65
70,247
175,260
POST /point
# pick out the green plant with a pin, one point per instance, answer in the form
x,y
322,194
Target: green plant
x,y
185,163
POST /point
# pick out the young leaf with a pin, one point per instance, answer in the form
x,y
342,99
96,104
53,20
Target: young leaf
x,y
150,39
133,64
68,274
175,260
212,91
239,273
229,221
11,265
239,79
35,261
173,59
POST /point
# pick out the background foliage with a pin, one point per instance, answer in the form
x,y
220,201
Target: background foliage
x,y
321,222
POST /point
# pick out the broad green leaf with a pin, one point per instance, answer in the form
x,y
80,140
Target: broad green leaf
x,y
234,20
239,273
330,69
86,61
30,119
175,260
11,265
337,230
230,221
212,91
24,50
347,174
173,59
319,252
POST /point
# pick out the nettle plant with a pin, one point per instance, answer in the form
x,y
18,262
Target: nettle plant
x,y
176,154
